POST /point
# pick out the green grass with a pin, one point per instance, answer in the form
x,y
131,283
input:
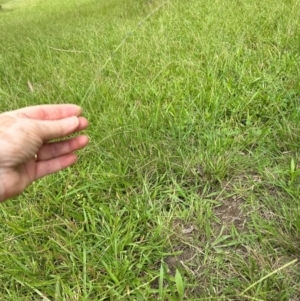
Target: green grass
x,y
189,189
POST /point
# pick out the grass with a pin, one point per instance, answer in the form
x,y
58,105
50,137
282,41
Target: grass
x,y
189,189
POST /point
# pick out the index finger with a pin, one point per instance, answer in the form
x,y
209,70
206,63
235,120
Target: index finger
x,y
49,112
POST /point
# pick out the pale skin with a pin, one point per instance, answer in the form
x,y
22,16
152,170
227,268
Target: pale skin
x,y
26,150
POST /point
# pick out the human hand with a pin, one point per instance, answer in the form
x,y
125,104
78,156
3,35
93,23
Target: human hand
x,y
26,153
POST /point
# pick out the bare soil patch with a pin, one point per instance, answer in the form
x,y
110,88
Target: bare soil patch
x,y
230,212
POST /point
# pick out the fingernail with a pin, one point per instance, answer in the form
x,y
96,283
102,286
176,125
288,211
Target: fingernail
x,y
73,121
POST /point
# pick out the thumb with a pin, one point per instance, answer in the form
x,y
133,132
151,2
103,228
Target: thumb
x,y
53,129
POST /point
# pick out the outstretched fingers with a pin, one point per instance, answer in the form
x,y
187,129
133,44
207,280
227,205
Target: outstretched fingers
x,y
57,149
50,112
49,130
48,167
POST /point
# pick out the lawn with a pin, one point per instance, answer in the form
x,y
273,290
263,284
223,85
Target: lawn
x,y
189,189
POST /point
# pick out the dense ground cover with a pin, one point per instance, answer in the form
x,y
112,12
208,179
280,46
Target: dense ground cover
x,y
189,189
